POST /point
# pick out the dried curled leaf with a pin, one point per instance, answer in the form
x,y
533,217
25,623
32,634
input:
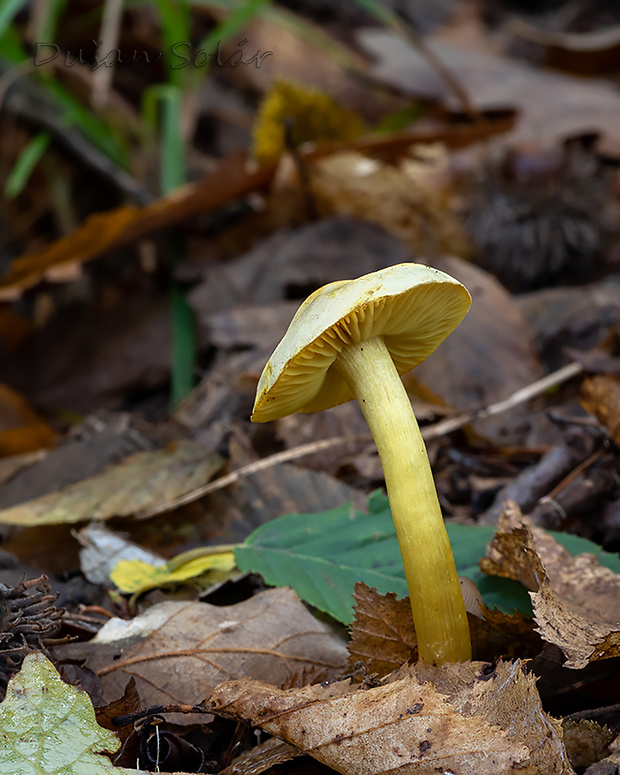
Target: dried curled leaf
x,y
383,636
456,718
411,200
600,395
609,765
129,487
586,741
576,601
180,651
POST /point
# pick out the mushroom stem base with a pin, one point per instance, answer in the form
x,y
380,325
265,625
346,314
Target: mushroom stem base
x,y
437,605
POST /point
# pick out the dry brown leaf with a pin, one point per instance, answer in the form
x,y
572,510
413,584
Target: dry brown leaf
x,y
609,765
585,53
140,481
180,651
128,703
600,396
383,636
261,758
576,601
106,231
413,200
290,265
456,719
489,356
586,741
21,428
100,439
552,106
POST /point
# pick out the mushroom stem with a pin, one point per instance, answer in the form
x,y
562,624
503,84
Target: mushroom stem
x,y
437,605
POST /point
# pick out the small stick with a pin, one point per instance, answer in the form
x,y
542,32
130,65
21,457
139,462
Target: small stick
x,y
252,468
519,397
437,430
593,712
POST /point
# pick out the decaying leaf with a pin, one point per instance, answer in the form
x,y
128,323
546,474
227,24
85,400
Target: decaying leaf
x,y
107,231
600,395
456,718
134,485
576,601
128,703
552,106
490,356
48,727
586,741
262,757
383,635
292,264
177,652
213,566
21,428
414,200
610,765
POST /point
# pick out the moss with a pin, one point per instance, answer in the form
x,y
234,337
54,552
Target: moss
x,y
313,115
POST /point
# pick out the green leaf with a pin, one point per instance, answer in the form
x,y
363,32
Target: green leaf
x,y
322,556
48,727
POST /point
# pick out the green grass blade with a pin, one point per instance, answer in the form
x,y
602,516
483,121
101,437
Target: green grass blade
x,y
25,163
8,10
48,21
99,133
175,18
183,345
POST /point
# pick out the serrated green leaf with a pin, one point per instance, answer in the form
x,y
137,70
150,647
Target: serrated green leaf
x,y
48,727
322,556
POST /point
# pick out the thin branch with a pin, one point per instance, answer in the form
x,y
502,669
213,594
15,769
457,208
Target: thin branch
x,y
252,468
435,431
519,397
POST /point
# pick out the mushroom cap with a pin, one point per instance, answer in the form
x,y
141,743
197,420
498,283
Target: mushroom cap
x,y
413,307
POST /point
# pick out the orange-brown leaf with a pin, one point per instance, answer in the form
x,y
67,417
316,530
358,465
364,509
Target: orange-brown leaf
x,y
600,396
576,601
456,718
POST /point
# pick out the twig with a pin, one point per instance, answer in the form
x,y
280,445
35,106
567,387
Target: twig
x,y
451,80
252,468
524,394
110,26
408,33
575,473
27,99
593,712
441,428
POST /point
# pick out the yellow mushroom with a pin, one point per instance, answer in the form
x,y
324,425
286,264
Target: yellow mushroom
x,y
353,339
